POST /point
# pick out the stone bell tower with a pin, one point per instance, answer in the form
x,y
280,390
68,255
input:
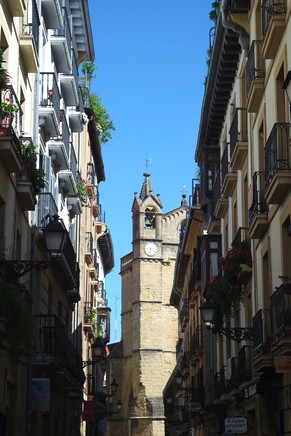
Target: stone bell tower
x,y
147,351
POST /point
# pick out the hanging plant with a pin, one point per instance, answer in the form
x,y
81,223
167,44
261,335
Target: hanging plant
x,y
225,289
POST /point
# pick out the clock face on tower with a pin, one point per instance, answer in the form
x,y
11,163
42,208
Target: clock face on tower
x,y
150,248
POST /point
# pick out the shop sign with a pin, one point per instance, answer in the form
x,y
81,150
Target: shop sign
x,y
250,391
40,401
235,424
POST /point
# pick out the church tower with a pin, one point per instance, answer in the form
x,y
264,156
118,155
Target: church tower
x,y
147,351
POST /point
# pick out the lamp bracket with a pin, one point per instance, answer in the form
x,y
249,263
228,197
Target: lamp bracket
x,y
235,333
11,270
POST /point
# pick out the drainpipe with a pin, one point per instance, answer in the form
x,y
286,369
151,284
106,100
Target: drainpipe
x,y
228,24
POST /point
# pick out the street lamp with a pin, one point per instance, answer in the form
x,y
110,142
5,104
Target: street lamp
x,y
55,235
179,379
238,334
98,353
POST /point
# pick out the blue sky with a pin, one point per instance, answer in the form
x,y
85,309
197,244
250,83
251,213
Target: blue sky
x,y
151,59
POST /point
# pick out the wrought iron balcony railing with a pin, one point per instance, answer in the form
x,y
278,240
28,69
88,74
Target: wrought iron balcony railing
x,y
269,9
238,131
277,151
54,344
281,312
197,341
259,204
261,332
255,64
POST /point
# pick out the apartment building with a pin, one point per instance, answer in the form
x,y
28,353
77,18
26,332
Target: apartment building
x,y
243,152
50,168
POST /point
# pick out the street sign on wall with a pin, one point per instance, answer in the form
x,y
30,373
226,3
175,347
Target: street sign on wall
x,y
235,424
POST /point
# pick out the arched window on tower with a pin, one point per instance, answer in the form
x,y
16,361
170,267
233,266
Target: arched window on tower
x,y
150,218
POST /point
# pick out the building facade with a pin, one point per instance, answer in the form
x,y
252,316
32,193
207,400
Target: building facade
x,y
49,146
243,152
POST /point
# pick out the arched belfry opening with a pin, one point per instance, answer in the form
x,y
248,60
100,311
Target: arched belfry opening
x,y
150,218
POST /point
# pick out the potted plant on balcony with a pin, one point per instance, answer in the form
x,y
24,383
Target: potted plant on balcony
x,y
8,111
91,315
29,171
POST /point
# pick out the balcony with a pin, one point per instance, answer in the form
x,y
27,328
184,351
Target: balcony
x,y
255,77
228,177
69,85
59,148
28,43
75,120
273,25
185,363
55,352
277,163
281,320
95,203
26,194
241,249
197,343
52,13
47,207
68,265
243,370
184,314
258,211
210,255
238,139
61,45
262,357
74,204
17,7
88,320
30,180
67,183
74,295
9,138
209,169
88,248
76,114
214,221
49,105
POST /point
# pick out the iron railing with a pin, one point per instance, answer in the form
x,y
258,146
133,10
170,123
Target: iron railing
x,y
53,342
225,163
197,341
269,9
261,332
259,204
281,312
277,151
255,64
49,92
238,131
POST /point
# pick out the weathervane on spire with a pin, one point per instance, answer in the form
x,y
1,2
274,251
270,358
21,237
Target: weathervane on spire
x,y
148,162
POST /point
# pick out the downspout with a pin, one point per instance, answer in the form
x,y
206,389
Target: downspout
x,y
228,24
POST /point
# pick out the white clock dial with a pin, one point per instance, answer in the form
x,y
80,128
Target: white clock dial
x,y
150,248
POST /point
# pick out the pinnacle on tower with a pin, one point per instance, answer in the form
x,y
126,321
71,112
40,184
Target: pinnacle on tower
x,y
146,189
